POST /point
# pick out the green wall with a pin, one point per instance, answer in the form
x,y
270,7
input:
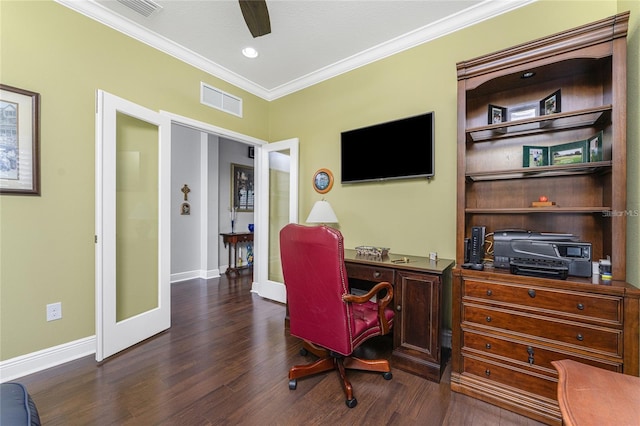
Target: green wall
x,y
46,243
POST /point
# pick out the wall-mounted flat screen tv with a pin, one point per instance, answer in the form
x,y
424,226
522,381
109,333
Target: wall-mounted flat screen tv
x,y
397,149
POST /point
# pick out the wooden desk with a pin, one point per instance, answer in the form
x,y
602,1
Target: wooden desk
x,y
591,396
231,240
420,285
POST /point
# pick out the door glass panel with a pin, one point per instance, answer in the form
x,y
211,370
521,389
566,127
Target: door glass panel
x,y
137,242
279,196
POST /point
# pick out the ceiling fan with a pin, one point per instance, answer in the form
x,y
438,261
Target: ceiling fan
x,y
256,15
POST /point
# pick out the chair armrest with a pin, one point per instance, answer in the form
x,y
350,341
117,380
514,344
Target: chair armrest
x,y
382,302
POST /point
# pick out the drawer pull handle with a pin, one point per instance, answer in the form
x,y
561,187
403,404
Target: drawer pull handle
x,y
399,308
488,345
489,293
487,372
488,319
531,353
580,337
580,307
376,274
532,293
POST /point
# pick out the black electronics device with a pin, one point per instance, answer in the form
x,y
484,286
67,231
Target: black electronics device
x,y
475,249
397,149
541,254
467,250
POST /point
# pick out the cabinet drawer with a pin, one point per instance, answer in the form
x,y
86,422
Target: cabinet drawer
x,y
537,384
370,273
599,339
563,302
527,355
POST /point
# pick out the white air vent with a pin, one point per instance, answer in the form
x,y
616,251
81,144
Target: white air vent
x,y
218,99
143,7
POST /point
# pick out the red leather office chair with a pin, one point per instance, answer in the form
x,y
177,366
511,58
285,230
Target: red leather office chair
x,y
332,322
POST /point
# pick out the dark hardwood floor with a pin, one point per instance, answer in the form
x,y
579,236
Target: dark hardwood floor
x,y
225,361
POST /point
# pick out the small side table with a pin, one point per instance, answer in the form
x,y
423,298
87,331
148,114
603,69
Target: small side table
x,y
231,240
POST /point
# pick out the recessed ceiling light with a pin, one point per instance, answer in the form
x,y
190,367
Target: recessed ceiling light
x,y
250,52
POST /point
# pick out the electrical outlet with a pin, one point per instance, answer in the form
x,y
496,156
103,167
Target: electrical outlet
x,y
54,311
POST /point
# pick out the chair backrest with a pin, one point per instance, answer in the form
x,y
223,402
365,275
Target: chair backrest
x,y
315,277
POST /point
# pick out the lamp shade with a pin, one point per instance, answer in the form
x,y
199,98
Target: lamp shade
x,y
322,213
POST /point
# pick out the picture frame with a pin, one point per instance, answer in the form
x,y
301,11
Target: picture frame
x,y
569,153
19,141
242,188
595,148
497,114
535,156
524,111
323,181
551,104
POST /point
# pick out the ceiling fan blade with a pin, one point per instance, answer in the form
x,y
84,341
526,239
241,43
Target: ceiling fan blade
x,y
256,15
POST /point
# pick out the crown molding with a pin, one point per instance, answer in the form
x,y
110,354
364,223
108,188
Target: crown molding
x,y
481,12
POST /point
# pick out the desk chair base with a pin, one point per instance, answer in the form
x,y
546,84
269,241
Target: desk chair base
x,y
333,361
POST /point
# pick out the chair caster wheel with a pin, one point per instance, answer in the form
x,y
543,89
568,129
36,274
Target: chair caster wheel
x,y
387,375
351,402
304,352
293,384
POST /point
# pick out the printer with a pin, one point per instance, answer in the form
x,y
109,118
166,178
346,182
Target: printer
x,y
541,254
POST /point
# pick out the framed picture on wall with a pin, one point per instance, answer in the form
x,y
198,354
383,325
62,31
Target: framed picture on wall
x,y
242,188
19,141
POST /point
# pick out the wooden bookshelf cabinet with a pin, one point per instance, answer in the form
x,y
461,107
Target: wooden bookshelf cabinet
x,y
508,328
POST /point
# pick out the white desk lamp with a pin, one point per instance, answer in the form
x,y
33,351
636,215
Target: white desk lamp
x,y
322,213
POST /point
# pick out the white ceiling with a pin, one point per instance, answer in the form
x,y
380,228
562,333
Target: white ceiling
x,y
310,40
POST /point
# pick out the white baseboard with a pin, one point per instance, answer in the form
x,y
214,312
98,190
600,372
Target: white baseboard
x,y
41,360
191,275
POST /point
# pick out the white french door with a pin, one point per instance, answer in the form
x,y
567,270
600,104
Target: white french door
x,y
133,161
276,206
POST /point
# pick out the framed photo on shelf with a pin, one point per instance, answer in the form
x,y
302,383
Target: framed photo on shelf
x,y
535,156
19,141
524,111
497,114
569,153
551,104
242,191
595,148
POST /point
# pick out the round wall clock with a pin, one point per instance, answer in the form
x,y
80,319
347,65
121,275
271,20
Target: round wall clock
x,y
323,181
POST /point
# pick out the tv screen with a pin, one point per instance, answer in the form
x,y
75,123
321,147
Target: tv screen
x,y
397,149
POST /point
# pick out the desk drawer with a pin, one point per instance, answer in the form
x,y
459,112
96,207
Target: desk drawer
x,y
561,302
604,340
537,384
526,354
370,273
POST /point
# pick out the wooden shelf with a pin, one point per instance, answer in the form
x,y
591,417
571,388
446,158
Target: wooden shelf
x,y
530,210
542,171
546,123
